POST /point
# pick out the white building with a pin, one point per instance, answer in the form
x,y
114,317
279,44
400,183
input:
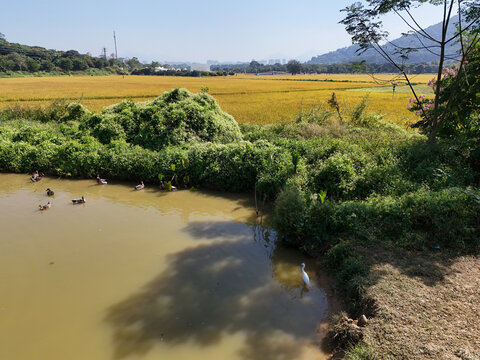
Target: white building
x,y
200,67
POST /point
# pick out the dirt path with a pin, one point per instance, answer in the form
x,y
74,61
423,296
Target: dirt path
x,y
428,307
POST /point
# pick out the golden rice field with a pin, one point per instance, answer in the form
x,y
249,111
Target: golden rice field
x,y
249,98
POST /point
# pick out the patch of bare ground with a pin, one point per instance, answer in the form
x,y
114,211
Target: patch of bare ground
x,y
427,306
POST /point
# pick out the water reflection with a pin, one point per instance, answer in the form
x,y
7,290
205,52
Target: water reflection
x,y
223,287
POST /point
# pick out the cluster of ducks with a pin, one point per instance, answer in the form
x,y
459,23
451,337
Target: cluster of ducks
x,y
48,205
36,176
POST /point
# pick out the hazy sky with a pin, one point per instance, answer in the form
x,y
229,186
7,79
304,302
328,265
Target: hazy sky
x,y
187,30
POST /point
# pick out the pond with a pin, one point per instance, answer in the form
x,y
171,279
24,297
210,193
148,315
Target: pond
x,y
149,275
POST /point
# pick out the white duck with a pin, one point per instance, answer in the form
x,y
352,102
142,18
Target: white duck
x,y
101,181
140,186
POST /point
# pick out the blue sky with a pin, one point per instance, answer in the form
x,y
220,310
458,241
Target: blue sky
x,y
188,30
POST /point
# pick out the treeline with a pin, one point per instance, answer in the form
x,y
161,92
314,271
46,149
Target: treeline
x,y
149,70
24,58
255,67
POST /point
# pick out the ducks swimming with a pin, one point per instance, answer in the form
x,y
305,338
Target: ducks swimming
x,y
140,186
79,201
101,181
45,207
50,192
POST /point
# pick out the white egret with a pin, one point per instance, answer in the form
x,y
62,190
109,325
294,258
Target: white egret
x,y
305,276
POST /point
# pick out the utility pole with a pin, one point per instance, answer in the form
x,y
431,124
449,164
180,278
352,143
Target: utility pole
x,y
115,41
104,53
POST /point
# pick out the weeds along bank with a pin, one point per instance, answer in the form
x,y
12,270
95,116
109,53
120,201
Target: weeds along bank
x,y
336,184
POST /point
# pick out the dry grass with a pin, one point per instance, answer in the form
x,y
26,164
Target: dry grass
x,y
249,98
428,307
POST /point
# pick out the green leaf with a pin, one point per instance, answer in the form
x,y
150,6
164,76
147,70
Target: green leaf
x,y
322,194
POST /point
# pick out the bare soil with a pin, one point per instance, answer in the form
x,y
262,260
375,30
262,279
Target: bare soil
x,y
427,306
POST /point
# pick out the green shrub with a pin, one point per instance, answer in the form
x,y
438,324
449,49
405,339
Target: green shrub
x,y
174,118
336,174
108,129
337,254
360,351
289,216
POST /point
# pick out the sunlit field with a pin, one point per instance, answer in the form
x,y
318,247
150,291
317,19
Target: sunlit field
x,y
258,99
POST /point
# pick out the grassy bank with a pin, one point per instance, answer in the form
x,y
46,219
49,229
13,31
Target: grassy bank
x,y
344,187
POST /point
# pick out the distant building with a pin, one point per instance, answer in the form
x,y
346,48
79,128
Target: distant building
x,y
167,68
200,67
161,68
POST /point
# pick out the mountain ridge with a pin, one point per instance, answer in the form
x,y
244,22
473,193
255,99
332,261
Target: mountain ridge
x,y
348,54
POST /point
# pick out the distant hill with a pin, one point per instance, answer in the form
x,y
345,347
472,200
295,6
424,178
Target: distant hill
x,y
348,55
20,59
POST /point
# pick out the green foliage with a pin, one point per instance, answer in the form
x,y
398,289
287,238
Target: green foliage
x,y
457,101
294,67
65,63
360,351
174,118
383,183
322,195
337,254
290,216
357,113
108,129
295,160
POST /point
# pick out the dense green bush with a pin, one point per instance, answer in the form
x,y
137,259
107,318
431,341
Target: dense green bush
x,y
449,218
176,117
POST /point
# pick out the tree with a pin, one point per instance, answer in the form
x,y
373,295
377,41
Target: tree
x,y
71,54
6,64
2,37
47,66
65,63
255,64
458,96
79,64
134,64
20,61
294,67
364,25
100,63
32,65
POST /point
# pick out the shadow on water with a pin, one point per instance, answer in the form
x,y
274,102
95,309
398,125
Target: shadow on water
x,y
222,288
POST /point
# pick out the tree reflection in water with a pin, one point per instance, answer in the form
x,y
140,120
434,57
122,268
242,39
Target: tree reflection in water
x,y
235,281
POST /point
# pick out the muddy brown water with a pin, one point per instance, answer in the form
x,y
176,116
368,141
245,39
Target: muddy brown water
x,y
149,275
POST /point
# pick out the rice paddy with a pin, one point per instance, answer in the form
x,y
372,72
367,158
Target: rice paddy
x,y
254,99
